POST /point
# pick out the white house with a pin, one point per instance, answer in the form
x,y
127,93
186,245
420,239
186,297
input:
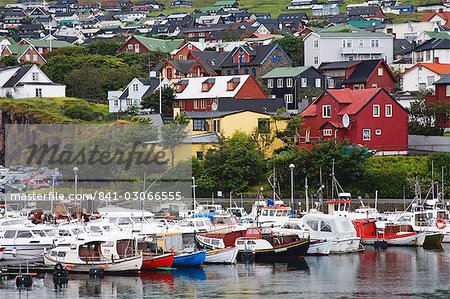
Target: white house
x,y
28,81
319,10
421,76
131,96
433,50
409,30
344,46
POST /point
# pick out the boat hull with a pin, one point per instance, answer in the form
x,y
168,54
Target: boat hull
x,y
130,264
195,259
345,245
222,256
290,252
25,251
433,240
319,247
154,262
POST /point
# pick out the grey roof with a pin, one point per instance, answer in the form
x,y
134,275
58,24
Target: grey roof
x,y
259,53
211,58
434,44
362,71
202,138
18,75
443,80
362,10
337,65
353,34
402,46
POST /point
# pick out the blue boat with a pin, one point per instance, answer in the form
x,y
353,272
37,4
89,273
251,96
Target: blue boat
x,y
194,259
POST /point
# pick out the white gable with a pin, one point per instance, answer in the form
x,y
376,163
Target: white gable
x,y
193,89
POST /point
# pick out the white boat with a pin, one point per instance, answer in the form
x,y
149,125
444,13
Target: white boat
x,y
320,247
222,256
27,241
270,215
2,255
81,256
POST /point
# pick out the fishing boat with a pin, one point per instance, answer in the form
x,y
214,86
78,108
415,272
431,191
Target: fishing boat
x,y
222,256
193,259
268,247
393,234
82,255
153,262
219,239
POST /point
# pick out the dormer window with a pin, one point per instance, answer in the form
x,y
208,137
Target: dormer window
x,y
233,83
208,84
182,84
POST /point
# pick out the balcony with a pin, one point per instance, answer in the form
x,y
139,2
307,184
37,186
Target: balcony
x,y
361,50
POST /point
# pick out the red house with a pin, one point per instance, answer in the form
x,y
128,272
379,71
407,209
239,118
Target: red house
x,y
178,69
359,74
199,94
370,117
184,51
441,95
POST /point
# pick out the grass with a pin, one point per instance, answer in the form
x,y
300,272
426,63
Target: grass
x,y
48,110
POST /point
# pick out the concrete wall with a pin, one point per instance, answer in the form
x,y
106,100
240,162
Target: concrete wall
x,y
429,143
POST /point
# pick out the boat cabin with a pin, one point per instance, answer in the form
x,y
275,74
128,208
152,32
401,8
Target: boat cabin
x,y
339,206
238,212
225,220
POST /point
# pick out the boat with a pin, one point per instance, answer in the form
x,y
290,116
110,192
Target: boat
x,y
219,239
2,250
154,262
194,259
269,213
392,234
82,255
222,256
268,247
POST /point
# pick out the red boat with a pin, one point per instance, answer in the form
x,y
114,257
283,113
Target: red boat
x,y
152,262
393,234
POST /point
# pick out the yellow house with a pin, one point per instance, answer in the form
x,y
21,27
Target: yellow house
x,y
206,128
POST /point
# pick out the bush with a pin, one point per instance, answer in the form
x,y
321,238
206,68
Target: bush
x,y
81,112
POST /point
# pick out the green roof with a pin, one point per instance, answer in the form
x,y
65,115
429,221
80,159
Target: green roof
x,y
340,28
363,24
225,3
160,45
17,49
438,35
281,72
41,43
209,8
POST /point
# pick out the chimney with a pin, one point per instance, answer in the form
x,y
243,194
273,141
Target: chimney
x,y
436,59
221,50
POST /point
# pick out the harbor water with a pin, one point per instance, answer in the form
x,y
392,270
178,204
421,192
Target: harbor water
x,y
397,272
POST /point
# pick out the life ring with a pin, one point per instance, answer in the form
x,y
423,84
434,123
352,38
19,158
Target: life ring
x,y
440,223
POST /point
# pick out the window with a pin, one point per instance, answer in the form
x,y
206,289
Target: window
x,y
135,87
347,43
289,82
313,224
325,226
136,48
376,110
35,76
24,234
388,110
447,90
274,58
195,104
378,132
316,59
228,72
35,58
331,83
380,72
182,57
116,102
200,125
375,43
430,80
199,155
236,71
9,234
304,82
326,111
288,98
216,125
203,104
130,46
270,83
38,92
427,55
374,85
327,132
129,102
253,72
189,47
361,43
280,83
263,125
280,58
316,44
27,57
367,134
318,82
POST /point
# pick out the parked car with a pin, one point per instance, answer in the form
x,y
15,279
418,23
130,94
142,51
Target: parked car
x,y
38,184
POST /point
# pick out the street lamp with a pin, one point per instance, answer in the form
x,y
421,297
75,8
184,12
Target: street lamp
x,y
291,167
75,171
193,191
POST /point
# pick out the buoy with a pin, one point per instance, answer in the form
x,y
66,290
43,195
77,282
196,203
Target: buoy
x,y
248,256
96,272
380,244
24,280
60,275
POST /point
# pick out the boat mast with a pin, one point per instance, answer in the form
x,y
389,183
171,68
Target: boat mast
x,y
274,183
306,194
332,181
432,179
442,184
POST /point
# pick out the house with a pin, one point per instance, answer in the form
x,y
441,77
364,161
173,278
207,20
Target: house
x,y
254,60
366,12
422,76
24,53
320,10
301,4
432,50
174,70
370,117
400,9
185,50
441,95
227,4
200,94
347,46
182,4
45,46
402,51
290,83
142,44
441,17
132,95
408,30
28,81
292,22
111,6
359,74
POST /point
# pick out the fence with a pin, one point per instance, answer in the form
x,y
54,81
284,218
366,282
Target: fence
x,y
429,143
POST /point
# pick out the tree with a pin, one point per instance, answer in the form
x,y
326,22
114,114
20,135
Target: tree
x,y
173,134
289,135
293,46
103,47
9,60
152,100
427,119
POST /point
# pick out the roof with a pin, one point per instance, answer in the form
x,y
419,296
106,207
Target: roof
x,y
337,65
17,49
362,10
193,90
18,75
211,58
40,43
363,71
438,35
161,45
433,44
281,72
443,80
255,105
445,15
202,138
258,53
225,2
354,34
340,28
438,68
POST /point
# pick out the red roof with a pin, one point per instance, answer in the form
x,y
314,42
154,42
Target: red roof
x,y
444,15
356,99
438,68
309,111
